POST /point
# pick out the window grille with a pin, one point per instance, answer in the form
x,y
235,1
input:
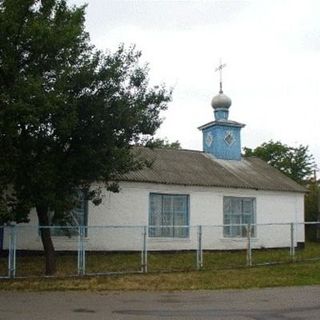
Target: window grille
x,y
237,214
169,216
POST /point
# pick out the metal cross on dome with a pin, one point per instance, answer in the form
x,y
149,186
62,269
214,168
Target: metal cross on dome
x,y
219,68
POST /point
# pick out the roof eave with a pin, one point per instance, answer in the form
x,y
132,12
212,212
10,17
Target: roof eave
x,y
222,123
211,185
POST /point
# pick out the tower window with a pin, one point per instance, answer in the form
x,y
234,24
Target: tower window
x,y
229,138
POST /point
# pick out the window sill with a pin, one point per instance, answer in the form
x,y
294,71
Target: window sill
x,y
66,238
238,239
168,239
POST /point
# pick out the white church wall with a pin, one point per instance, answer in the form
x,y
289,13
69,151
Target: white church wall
x,y
130,210
131,207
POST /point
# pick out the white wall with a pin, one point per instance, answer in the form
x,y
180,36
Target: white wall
x,y
130,209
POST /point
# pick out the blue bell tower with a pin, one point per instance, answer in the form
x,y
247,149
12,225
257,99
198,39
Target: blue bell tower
x,y
221,137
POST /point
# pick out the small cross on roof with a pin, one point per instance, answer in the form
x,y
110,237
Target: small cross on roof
x,y
219,68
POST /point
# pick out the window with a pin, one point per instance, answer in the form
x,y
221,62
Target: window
x,y
237,214
169,216
78,216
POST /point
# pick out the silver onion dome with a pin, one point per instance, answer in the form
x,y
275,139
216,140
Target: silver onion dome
x,y
221,101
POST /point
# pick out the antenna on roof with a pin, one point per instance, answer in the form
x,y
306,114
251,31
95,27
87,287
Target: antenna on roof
x,y
219,68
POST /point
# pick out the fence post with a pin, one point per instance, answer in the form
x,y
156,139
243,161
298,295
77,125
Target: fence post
x,y
199,249
144,252
81,252
292,246
249,249
12,252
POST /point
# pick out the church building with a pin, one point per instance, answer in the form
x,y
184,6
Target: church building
x,y
216,188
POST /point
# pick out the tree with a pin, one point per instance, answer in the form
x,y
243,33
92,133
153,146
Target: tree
x,y
298,164
312,208
162,143
68,112
295,162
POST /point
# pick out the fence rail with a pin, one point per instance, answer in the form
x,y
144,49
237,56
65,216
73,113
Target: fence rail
x,y
93,250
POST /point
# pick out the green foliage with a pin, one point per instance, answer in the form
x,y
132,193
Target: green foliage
x,y
68,112
312,209
295,162
312,201
298,164
163,143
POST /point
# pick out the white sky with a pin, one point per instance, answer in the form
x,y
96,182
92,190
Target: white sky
x,y
272,51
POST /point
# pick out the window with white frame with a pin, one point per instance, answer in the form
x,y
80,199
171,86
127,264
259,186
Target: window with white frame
x,y
238,213
169,215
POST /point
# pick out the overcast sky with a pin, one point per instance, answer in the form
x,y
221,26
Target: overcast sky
x,y
272,52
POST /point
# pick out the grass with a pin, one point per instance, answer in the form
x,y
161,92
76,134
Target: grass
x,y
171,271
256,277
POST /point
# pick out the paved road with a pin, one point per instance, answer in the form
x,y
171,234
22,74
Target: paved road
x,y
260,304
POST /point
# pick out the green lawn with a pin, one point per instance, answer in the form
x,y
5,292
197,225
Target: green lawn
x,y
172,271
306,273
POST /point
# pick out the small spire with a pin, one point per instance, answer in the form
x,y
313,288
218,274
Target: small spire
x,y
219,68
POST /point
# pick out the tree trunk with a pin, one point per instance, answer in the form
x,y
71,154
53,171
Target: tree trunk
x,y
47,243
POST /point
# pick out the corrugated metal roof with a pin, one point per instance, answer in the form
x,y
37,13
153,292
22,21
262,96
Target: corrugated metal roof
x,y
196,168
